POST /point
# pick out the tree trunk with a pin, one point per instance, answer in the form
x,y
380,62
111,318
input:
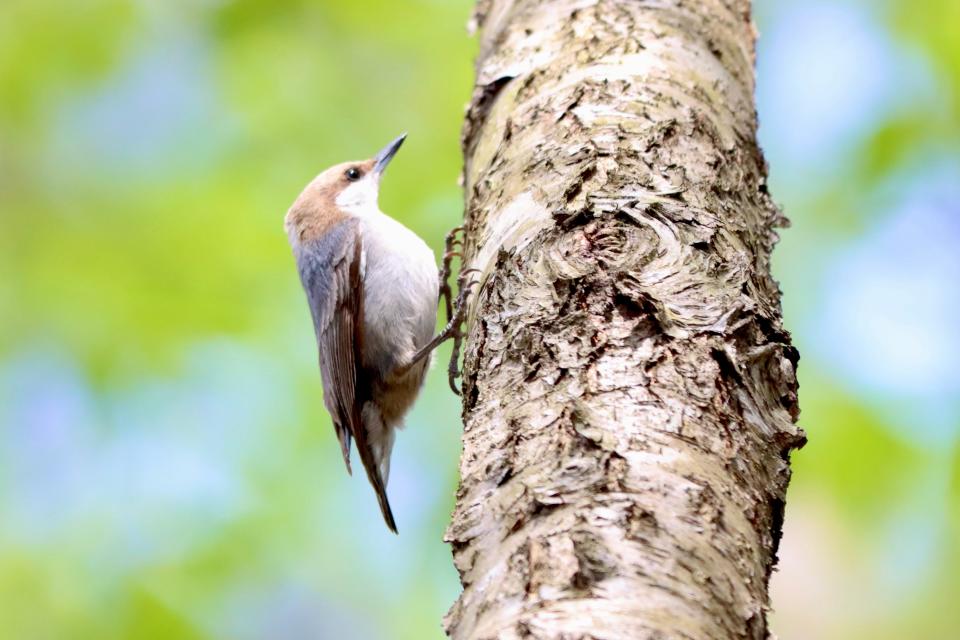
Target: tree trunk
x,y
629,391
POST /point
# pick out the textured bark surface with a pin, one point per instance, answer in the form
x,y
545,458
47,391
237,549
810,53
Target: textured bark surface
x,y
629,392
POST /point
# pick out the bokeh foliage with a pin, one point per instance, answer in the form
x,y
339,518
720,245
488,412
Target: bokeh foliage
x,y
166,468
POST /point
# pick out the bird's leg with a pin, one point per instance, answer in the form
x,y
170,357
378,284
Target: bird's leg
x,y
449,253
465,289
451,243
456,309
453,326
453,370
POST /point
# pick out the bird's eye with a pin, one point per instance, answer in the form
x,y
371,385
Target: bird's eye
x,y
352,174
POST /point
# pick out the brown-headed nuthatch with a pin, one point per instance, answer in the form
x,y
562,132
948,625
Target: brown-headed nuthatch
x,y
373,287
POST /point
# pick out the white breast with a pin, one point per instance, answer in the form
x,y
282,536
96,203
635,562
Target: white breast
x,y
400,285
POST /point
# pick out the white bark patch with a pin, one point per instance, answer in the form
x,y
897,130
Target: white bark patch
x,y
516,227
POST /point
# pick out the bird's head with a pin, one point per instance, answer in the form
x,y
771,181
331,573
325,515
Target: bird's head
x,y
349,188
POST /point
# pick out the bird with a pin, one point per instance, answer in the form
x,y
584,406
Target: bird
x,y
373,288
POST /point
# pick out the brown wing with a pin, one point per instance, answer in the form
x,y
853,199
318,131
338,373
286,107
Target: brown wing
x,y
331,273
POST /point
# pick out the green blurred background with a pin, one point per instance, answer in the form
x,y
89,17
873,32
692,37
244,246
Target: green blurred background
x,y
166,467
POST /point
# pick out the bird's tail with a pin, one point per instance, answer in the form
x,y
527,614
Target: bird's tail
x,y
375,450
381,489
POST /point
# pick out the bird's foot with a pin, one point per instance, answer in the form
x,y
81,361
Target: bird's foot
x,y
456,309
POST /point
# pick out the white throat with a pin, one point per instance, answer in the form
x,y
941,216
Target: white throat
x,y
360,198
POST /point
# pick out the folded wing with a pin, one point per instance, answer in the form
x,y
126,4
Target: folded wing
x,y
331,272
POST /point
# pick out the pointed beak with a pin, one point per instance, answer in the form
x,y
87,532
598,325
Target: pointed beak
x,y
386,155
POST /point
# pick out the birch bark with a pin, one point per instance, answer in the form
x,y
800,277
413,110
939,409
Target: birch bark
x,y
629,390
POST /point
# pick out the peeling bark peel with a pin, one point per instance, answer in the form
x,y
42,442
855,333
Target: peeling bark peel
x,y
630,393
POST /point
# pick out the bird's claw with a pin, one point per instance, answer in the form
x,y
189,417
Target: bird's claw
x,y
460,306
456,308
